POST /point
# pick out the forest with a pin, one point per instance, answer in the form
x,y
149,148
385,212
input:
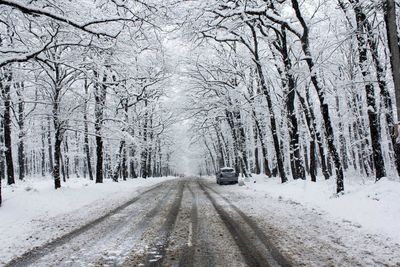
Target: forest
x,y
293,89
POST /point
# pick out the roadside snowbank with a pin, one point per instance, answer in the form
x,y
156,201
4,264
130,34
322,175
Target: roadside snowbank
x,y
34,213
372,206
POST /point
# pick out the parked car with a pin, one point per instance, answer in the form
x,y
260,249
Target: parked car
x,y
227,175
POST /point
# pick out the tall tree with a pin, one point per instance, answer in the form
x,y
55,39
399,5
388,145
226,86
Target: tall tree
x,y
394,49
5,86
100,100
86,131
19,86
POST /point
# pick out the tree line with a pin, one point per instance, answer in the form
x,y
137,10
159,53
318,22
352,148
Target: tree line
x,y
81,86
296,88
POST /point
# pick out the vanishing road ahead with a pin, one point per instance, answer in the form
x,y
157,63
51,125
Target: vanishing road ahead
x,y
183,222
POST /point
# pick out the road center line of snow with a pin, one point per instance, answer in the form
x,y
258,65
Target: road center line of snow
x,y
190,235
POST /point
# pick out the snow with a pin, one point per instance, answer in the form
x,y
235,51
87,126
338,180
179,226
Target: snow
x,y
373,207
365,218
314,227
33,212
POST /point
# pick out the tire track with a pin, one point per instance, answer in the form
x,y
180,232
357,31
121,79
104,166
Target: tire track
x,y
257,230
36,253
187,257
251,256
205,247
156,256
244,239
139,229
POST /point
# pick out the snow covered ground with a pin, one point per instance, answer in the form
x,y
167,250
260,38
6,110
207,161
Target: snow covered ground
x,y
309,224
34,213
305,221
374,207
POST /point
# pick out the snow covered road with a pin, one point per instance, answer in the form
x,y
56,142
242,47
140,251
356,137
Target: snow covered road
x,y
194,222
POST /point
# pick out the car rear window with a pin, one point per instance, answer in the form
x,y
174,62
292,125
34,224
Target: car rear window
x,y
227,170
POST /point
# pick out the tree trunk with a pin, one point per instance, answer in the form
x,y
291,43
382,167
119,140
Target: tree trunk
x,y
1,197
62,167
124,165
394,49
257,168
86,132
241,143
393,44
57,160
117,168
150,146
99,154
57,138
66,165
2,163
231,123
144,152
21,123
2,167
306,163
221,157
76,156
342,139
50,148
124,150
132,170
43,151
107,163
100,98
6,92
313,167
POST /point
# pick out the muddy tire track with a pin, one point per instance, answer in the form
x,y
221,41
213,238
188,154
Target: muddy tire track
x,y
247,240
282,260
251,256
140,228
156,255
186,259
